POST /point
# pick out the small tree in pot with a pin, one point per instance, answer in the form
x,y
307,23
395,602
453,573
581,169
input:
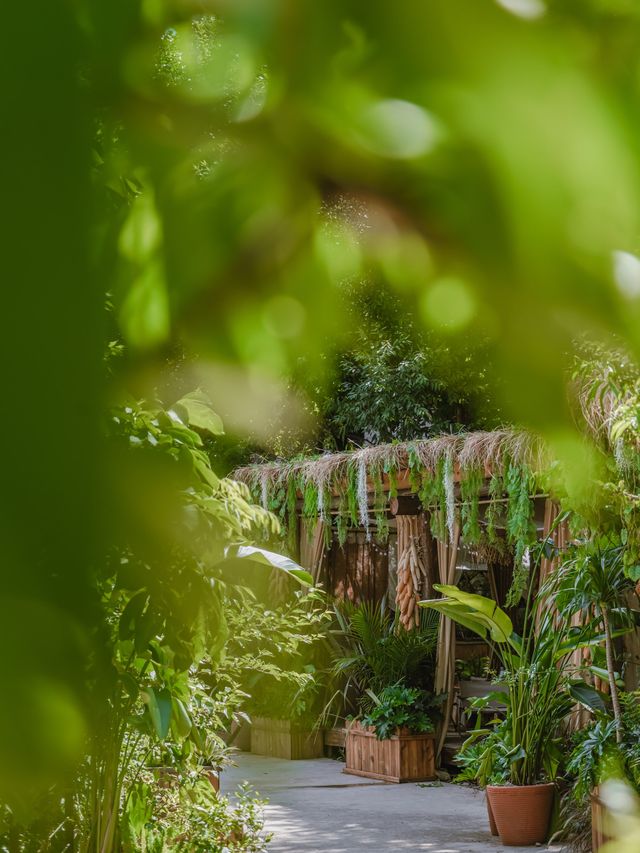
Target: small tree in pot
x,y
523,754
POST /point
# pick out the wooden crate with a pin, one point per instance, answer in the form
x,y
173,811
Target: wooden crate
x,y
282,739
402,758
335,737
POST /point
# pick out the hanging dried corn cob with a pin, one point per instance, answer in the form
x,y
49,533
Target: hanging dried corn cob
x,y
411,571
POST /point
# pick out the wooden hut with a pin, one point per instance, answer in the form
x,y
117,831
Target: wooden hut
x,y
387,522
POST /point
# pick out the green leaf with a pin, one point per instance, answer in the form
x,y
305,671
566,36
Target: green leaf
x,y
588,696
196,410
458,613
275,561
131,614
141,233
476,612
204,469
144,315
181,719
633,572
603,674
159,705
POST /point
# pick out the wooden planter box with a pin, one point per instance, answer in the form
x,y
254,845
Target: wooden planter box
x,y
334,741
282,739
240,736
404,757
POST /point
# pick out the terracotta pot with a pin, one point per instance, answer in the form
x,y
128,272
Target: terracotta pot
x,y
492,822
212,775
521,812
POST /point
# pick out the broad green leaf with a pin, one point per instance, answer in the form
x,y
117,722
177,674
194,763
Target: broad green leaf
x,y
473,737
275,561
603,674
587,695
181,719
204,469
159,705
196,409
452,610
475,612
633,572
144,314
502,627
141,233
131,614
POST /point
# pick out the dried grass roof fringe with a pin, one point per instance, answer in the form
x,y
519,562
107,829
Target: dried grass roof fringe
x,y
597,405
472,450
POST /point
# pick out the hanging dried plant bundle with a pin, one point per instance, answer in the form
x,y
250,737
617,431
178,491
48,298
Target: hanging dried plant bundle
x,y
363,500
412,571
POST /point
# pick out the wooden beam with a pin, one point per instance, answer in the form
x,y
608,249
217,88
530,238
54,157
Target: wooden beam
x,y
405,505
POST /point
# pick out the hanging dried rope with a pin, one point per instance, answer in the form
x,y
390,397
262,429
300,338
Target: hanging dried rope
x,y
412,571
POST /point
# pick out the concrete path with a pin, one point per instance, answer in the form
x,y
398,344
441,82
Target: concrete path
x,y
315,808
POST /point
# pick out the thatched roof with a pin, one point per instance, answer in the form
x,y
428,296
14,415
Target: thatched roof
x,y
488,451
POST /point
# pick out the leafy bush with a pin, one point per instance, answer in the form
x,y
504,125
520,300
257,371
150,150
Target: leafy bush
x,y
371,653
399,707
189,817
485,756
477,667
596,755
277,655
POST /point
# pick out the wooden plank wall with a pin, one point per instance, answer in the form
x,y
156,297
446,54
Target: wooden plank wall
x,y
359,571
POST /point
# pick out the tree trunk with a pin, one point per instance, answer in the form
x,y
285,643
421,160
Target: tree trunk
x,y
608,642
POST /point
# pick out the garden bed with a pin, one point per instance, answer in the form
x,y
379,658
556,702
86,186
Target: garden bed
x,y
404,757
283,739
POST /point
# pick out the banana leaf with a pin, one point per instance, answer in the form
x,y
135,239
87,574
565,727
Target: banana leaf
x,y
476,612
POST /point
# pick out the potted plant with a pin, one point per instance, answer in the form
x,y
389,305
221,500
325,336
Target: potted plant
x,y
521,759
382,682
283,719
394,740
371,652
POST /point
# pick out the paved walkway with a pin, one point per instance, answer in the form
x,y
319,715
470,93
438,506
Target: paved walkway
x,y
315,808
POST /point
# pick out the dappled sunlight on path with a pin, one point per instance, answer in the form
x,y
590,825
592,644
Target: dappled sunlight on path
x,y
315,808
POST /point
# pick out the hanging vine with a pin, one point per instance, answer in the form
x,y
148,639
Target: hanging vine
x,y
391,471
438,503
494,509
521,530
379,504
291,523
449,494
310,502
470,488
415,468
347,489
342,517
